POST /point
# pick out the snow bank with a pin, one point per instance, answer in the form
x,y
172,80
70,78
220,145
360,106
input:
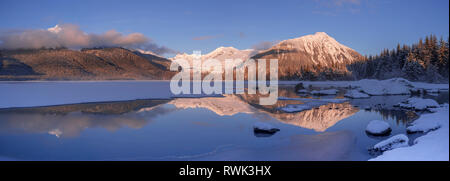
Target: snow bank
x,y
393,142
433,146
428,122
418,103
377,127
430,88
355,94
396,86
261,127
376,87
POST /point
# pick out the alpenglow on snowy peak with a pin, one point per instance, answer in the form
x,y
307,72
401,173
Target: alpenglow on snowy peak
x,y
316,56
220,54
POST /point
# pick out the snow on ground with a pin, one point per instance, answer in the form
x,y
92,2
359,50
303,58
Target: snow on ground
x,y
397,86
433,146
429,122
393,142
377,127
430,87
418,103
324,92
355,94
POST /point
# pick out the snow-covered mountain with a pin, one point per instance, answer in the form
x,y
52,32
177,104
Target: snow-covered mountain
x,y
314,53
221,54
316,56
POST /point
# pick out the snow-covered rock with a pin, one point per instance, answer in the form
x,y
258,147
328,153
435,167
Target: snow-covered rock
x,y
377,127
395,86
260,127
324,92
418,103
393,142
355,94
434,146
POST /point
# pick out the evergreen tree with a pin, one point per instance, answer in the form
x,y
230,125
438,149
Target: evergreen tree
x,y
427,60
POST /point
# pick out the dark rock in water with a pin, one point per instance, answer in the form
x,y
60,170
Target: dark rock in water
x,y
384,133
264,128
266,131
298,87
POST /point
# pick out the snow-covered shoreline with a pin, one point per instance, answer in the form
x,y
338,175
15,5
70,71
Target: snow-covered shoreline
x,y
345,84
433,146
49,93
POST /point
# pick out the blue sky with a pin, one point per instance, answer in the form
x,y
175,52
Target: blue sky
x,y
367,26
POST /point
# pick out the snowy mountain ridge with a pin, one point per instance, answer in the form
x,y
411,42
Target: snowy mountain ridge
x,y
220,54
320,46
316,56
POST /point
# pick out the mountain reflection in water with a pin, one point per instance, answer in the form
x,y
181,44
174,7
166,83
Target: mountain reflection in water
x,y
70,120
202,128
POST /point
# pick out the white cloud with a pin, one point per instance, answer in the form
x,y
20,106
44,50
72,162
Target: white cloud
x,y
71,36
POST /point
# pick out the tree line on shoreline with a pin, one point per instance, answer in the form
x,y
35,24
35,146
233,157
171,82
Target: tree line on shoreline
x,y
427,60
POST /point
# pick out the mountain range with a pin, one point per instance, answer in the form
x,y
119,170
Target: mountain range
x,y
298,58
85,64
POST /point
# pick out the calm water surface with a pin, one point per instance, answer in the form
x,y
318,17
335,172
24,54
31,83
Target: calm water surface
x,y
207,128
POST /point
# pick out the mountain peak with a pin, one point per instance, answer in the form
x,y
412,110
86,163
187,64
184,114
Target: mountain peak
x,y
321,34
316,37
222,48
311,41
309,52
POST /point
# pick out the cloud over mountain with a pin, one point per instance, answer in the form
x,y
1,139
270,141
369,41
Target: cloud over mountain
x,y
71,36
